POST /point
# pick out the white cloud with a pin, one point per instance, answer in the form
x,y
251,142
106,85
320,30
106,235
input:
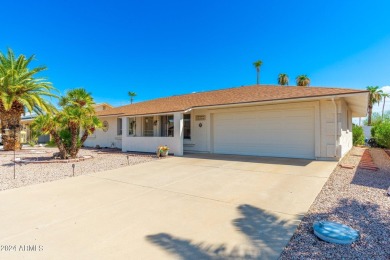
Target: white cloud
x,y
386,89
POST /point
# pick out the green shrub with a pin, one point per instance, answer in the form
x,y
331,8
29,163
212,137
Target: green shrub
x,y
357,135
374,126
51,143
373,129
382,134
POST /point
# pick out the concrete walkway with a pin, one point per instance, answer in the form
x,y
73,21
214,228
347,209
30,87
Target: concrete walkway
x,y
193,207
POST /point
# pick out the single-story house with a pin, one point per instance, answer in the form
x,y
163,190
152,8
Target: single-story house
x,y
260,120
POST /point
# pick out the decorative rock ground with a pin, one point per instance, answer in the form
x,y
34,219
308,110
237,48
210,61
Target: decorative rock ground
x,y
356,197
33,173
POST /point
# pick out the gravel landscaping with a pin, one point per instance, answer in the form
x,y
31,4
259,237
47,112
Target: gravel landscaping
x,y
355,197
33,173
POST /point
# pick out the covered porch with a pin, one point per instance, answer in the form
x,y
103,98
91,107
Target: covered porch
x,y
144,133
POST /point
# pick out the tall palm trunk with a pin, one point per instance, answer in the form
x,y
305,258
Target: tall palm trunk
x,y
10,119
258,76
73,149
383,108
60,145
369,112
82,140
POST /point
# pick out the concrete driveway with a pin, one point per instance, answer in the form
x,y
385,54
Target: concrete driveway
x,y
193,207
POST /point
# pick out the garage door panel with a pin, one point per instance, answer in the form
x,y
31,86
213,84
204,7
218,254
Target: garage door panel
x,y
280,133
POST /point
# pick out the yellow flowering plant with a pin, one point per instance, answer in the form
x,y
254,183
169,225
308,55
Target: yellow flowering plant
x,y
162,150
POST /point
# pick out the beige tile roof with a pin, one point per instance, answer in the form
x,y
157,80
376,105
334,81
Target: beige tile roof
x,y
245,94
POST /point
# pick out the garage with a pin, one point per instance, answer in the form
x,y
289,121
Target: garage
x,y
265,132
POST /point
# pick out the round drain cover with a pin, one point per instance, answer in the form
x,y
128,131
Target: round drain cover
x,y
334,232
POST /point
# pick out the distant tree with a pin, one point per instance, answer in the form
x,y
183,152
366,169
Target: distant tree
x,y
257,65
375,96
376,118
384,96
132,95
283,79
303,80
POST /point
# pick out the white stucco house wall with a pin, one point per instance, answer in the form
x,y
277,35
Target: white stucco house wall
x,y
260,120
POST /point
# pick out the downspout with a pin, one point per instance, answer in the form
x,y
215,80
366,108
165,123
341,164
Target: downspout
x,y
335,127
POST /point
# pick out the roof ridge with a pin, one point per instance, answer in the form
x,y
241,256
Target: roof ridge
x,y
181,95
239,94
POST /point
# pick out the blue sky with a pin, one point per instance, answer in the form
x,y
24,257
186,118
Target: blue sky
x,y
162,48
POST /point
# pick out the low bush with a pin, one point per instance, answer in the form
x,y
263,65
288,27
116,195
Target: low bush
x,y
382,134
357,135
51,143
373,129
374,126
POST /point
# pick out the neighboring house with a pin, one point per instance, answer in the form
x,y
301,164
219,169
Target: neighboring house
x,y
26,133
102,107
28,118
278,121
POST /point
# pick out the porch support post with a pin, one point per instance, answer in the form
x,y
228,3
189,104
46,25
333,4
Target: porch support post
x,y
125,131
178,134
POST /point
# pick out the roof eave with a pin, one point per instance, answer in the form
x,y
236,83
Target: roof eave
x,y
110,115
281,100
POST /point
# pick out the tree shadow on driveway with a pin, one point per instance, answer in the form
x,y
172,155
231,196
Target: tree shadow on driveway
x,y
268,235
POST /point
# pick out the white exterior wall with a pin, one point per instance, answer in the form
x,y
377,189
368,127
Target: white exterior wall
x,y
344,128
326,145
201,137
328,139
367,131
333,135
335,142
105,139
149,144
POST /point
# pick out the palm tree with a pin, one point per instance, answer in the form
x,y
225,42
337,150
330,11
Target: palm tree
x,y
257,65
384,95
303,80
132,95
77,114
283,79
374,96
77,110
20,90
49,124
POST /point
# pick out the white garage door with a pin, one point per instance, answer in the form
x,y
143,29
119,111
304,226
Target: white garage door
x,y
278,133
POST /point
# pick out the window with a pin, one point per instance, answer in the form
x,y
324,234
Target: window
x,y
167,126
119,126
187,126
148,126
131,126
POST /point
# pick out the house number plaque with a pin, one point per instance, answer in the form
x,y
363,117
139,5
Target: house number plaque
x,y
200,117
